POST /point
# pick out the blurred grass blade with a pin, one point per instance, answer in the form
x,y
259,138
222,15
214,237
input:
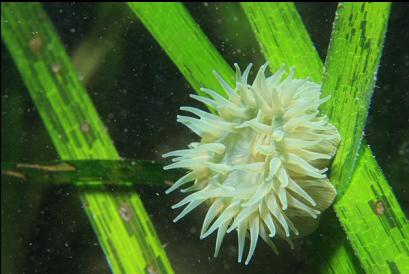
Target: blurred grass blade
x,y
90,54
93,173
283,38
129,243
181,38
359,235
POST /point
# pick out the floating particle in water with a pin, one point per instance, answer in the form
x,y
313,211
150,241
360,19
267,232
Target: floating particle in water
x,y
84,204
404,152
168,183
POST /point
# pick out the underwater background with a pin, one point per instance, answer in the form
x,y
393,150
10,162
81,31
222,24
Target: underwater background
x,y
137,91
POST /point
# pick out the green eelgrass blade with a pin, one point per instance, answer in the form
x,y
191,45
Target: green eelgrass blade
x,y
376,225
181,38
351,66
367,69
128,240
92,173
283,38
350,72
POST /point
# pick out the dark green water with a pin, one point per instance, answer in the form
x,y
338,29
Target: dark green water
x,y
137,91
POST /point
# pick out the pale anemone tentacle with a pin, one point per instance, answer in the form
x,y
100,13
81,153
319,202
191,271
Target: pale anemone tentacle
x,y
262,159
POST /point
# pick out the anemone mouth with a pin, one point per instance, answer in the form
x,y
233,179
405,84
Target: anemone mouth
x,y
261,161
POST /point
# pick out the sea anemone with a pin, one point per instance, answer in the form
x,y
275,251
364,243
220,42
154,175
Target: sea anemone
x,y
261,162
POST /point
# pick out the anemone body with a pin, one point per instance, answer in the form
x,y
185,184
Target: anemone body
x,y
260,165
